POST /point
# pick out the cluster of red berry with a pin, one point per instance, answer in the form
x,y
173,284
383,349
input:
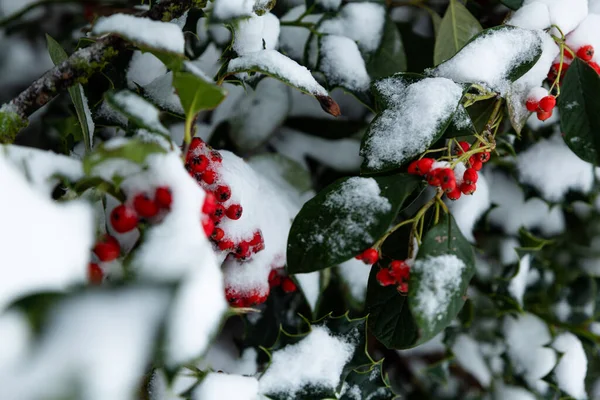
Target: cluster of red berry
x,y
543,106
397,273
440,175
369,256
203,164
254,297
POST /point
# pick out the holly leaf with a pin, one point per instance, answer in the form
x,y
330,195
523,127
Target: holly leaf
x,y
133,150
344,219
196,94
368,384
439,278
579,107
456,29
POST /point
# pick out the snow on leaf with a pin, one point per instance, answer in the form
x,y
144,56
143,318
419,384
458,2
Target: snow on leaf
x,y
255,34
143,32
139,111
342,64
226,10
219,386
571,370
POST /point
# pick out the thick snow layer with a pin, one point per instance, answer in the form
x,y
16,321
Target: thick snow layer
x,y
310,284
224,10
96,343
505,392
15,339
317,361
468,355
135,106
571,370
594,6
224,355
540,14
553,169
63,235
588,32
342,63
526,337
329,5
162,93
361,22
40,167
159,389
513,212
143,69
292,39
468,209
143,32
278,65
219,386
413,119
341,155
517,285
489,59
354,195
256,33
440,279
356,275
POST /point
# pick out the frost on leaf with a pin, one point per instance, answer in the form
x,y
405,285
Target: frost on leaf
x,y
342,64
138,110
415,115
440,281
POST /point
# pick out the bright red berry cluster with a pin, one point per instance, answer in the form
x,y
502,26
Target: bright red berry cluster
x,y
544,107
441,175
203,164
254,297
369,256
106,249
397,273
126,217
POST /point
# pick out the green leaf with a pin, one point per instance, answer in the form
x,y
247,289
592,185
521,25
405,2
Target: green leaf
x,y
279,168
138,110
367,384
58,56
10,124
133,150
512,4
197,94
439,279
390,141
579,107
390,57
325,234
457,28
461,124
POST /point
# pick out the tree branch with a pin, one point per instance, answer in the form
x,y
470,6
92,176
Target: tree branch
x,y
86,61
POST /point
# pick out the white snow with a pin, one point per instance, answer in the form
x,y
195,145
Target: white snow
x,y
507,247
588,32
274,63
292,39
224,10
534,15
137,108
224,355
15,339
162,93
571,370
63,235
329,5
469,209
517,285
526,337
87,114
317,360
413,119
356,275
505,392
361,22
310,284
540,14
255,34
342,63
159,389
488,60
96,344
143,69
468,355
440,279
553,169
143,32
219,386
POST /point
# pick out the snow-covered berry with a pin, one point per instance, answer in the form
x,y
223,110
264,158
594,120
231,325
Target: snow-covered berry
x,y
123,218
210,204
107,249
234,211
223,193
209,176
163,197
586,53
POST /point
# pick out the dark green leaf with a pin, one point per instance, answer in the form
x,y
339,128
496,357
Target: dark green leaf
x,y
461,124
579,106
197,94
367,384
133,150
457,28
512,4
139,111
389,58
433,314
58,55
324,235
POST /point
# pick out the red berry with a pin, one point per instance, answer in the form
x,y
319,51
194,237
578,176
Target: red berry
x,y
413,168
242,250
208,225
446,175
215,156
586,53
484,157
370,256
145,206
455,194
123,218
210,203
420,167
218,234
470,176
449,186
568,54
219,213
209,176
225,245
163,197
547,103
234,211
475,163
259,247
385,278
256,239
433,178
595,65
468,188
399,270
107,249
288,285
223,193
403,288
199,164
95,274
542,115
532,105
196,143
274,278
463,147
